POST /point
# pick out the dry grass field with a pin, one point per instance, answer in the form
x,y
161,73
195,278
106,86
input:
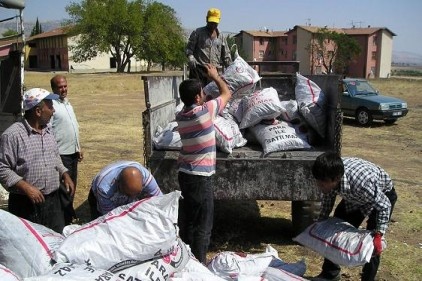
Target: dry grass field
x,y
109,106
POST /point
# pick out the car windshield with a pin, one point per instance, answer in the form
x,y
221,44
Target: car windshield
x,y
360,88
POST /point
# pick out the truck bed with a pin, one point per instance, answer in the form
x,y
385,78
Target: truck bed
x,y
245,173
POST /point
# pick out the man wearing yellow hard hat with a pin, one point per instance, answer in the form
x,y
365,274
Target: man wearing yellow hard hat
x,y
207,45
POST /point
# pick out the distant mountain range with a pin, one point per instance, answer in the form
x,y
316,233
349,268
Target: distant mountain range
x,y
406,58
399,58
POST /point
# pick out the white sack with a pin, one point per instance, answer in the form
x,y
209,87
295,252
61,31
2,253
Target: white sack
x,y
235,109
26,247
194,271
290,111
141,230
316,117
156,269
311,102
195,276
277,274
227,134
229,265
75,272
8,275
338,241
307,91
167,138
4,195
278,137
240,77
261,105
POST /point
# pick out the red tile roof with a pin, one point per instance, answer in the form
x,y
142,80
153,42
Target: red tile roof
x,y
366,31
262,33
55,32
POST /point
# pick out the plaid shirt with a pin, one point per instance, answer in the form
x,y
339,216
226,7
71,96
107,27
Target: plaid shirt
x,y
28,155
363,188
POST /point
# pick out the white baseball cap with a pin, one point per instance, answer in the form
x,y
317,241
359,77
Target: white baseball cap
x,y
34,96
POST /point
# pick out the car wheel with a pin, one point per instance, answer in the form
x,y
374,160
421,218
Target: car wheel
x,y
390,121
363,117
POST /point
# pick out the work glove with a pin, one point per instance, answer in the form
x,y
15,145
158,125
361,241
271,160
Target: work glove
x,y
377,243
192,62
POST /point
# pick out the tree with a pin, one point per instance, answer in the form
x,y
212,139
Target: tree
x,y
9,32
163,37
37,29
104,26
333,50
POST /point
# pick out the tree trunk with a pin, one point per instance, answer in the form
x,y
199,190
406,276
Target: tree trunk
x,y
128,66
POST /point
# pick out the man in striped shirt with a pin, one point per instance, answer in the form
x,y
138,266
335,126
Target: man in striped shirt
x,y
118,184
30,165
367,191
197,160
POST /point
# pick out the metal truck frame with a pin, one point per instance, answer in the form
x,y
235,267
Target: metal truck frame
x,y
245,174
11,75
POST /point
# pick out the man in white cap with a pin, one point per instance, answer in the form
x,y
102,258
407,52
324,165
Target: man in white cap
x,y
207,45
30,165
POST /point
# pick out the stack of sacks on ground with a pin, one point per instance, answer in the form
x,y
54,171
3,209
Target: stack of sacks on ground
x,y
137,241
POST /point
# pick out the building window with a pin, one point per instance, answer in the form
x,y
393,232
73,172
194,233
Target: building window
x,y
261,54
294,56
374,40
294,39
113,63
374,55
284,40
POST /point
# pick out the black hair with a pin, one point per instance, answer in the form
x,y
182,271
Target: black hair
x,y
328,166
188,89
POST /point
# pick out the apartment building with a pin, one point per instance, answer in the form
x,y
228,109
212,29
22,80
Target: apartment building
x,y
295,45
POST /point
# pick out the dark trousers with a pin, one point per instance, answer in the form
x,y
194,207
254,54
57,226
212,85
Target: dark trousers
x,y
196,215
355,218
92,201
49,213
71,163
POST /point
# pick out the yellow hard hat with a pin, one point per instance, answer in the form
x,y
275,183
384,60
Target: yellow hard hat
x,y
213,15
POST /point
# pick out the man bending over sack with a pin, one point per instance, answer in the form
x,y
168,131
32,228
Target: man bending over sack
x,y
118,184
366,191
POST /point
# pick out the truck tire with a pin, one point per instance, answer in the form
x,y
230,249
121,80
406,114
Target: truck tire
x,y
304,214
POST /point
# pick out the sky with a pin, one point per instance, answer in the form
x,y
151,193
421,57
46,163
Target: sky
x,y
401,17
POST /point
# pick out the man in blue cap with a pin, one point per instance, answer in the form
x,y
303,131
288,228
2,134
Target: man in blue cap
x,y
207,45
30,165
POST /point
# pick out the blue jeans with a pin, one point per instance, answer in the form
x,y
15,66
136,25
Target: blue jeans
x,y
355,218
196,215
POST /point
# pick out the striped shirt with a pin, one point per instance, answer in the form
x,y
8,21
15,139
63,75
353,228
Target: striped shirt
x,y
197,133
28,155
105,186
362,187
65,127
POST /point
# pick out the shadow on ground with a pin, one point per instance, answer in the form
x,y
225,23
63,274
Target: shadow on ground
x,y
238,226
